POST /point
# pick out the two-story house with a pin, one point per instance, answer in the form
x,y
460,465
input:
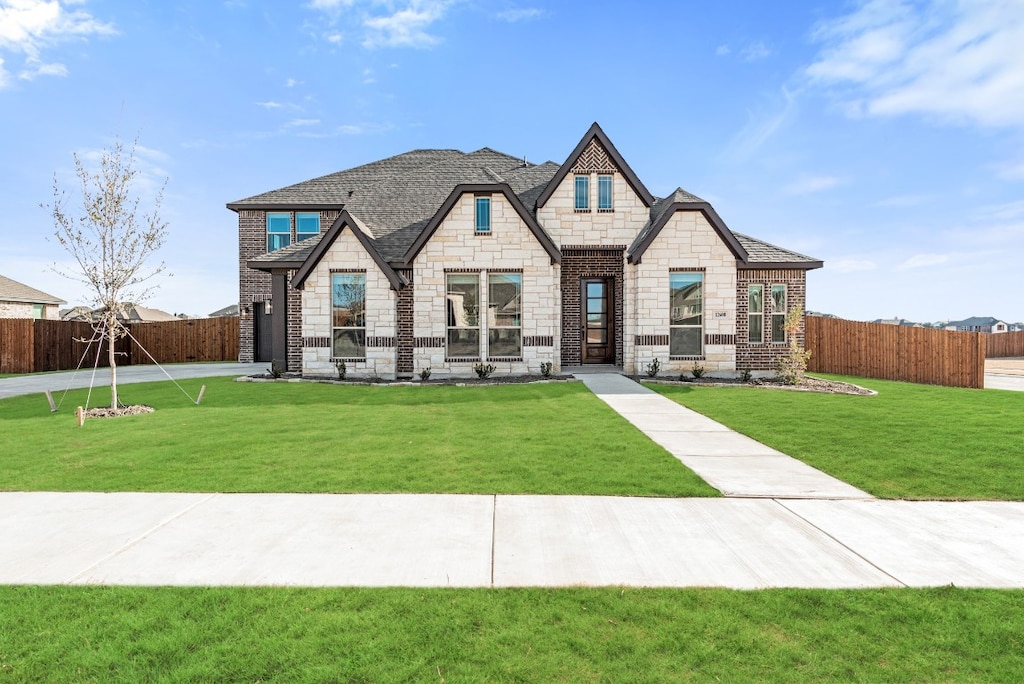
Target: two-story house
x,y
442,259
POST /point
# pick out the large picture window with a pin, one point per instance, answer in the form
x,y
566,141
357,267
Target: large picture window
x,y
504,315
686,314
778,313
463,303
582,193
348,315
755,314
307,226
279,231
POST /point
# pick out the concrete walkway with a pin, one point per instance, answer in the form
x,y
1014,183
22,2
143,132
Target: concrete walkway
x,y
730,462
504,541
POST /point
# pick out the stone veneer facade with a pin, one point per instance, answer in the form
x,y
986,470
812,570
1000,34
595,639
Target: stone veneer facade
x,y
26,310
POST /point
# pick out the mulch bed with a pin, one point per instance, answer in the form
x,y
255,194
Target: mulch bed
x,y
108,412
806,384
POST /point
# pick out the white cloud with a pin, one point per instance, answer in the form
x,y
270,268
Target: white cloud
x,y
723,50
299,123
812,184
852,265
406,27
957,61
334,38
755,52
291,83
904,201
520,14
760,127
28,27
923,261
1012,170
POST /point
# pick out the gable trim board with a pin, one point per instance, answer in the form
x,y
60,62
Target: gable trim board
x,y
409,215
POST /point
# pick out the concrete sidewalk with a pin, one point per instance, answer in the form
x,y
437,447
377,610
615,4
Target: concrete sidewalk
x,y
730,462
37,383
504,541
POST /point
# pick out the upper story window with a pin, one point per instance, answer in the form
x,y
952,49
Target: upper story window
x,y
755,314
604,193
686,314
778,313
582,193
306,226
279,231
483,214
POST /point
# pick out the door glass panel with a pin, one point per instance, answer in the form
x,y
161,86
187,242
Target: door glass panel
x,y
597,320
596,305
597,336
595,290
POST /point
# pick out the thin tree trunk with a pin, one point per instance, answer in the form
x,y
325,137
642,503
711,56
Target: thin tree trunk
x,y
111,358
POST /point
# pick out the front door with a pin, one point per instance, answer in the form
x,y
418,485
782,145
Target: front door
x,y
597,323
263,339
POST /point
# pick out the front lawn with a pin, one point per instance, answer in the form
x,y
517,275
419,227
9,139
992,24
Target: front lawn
x,y
909,442
553,438
98,634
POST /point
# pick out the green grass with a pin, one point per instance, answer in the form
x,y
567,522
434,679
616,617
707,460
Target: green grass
x,y
909,442
299,437
100,634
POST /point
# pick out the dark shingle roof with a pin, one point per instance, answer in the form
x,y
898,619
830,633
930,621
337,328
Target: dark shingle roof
x,y
762,252
13,291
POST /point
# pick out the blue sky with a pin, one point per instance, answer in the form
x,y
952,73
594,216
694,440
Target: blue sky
x,y
886,138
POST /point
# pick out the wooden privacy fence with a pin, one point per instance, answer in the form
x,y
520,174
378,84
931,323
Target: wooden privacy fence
x,y
893,352
1002,345
28,346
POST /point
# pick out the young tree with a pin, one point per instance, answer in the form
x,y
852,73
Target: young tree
x,y
110,241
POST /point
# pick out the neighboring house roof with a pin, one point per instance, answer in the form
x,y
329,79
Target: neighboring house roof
x,y
976,322
229,310
13,291
397,203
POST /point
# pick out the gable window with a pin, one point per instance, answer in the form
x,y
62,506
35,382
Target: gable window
x,y
582,193
483,214
755,314
604,193
504,314
778,313
306,226
463,304
686,314
348,315
279,231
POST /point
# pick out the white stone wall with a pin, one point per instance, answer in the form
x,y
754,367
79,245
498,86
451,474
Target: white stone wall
x,y
687,241
509,246
381,317
620,226
24,310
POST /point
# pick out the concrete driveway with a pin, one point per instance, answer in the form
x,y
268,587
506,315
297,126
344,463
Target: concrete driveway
x,y
1005,374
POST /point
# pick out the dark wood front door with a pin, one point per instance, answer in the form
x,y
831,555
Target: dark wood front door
x,y
262,333
598,325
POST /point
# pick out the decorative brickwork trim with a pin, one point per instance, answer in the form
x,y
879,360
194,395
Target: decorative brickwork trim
x,y
462,359
594,159
428,342
505,359
462,270
348,270
652,340
380,342
406,342
538,341
686,358
719,339
316,342
584,261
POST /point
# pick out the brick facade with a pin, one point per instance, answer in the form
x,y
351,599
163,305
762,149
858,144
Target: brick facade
x,y
589,262
405,328
765,356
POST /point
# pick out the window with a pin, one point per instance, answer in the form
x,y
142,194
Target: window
x,y
37,311
348,300
463,302
279,231
504,314
483,214
755,314
604,193
686,314
778,313
307,226
582,194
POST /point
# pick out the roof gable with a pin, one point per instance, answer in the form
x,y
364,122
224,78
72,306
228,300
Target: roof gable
x,y
681,200
503,188
588,155
345,220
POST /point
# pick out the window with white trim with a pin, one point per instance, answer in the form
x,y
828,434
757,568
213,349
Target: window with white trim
x,y
778,313
279,231
504,315
755,314
581,193
463,304
686,314
348,315
483,214
604,193
307,225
